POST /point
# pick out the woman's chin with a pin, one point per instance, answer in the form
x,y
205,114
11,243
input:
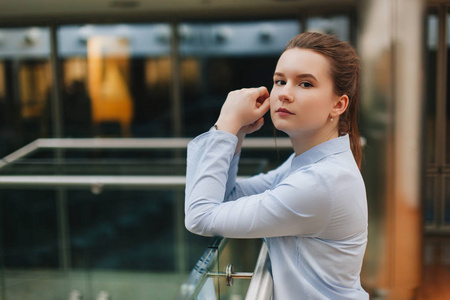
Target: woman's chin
x,y
279,126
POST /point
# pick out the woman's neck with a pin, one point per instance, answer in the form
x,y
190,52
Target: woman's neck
x,y
301,142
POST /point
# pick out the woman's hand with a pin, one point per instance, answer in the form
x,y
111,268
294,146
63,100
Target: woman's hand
x,y
243,111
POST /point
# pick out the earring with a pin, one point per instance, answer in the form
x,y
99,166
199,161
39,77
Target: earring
x,y
331,119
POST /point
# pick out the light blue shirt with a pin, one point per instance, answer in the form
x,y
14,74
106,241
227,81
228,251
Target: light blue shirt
x,y
312,212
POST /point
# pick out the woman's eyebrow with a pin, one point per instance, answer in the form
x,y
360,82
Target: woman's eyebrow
x,y
305,75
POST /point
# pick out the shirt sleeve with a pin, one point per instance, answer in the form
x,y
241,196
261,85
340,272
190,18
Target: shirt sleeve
x,y
298,205
255,184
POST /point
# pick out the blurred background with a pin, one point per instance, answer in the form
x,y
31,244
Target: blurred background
x,y
99,98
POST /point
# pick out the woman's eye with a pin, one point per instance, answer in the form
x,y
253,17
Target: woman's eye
x,y
280,82
306,84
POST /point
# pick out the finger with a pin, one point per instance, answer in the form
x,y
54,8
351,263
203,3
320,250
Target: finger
x,y
258,124
255,126
258,89
264,95
263,92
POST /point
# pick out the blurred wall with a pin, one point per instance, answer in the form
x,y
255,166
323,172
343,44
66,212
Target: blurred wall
x,y
390,44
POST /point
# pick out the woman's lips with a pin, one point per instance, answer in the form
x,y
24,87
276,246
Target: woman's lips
x,y
284,112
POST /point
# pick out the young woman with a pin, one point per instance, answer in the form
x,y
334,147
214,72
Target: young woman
x,y
312,210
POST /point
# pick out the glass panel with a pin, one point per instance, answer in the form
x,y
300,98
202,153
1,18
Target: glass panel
x,y
203,282
122,163
242,254
97,241
23,247
25,80
116,80
429,203
430,103
336,25
120,242
220,57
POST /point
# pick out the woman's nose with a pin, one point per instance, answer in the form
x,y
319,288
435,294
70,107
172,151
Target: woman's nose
x,y
285,95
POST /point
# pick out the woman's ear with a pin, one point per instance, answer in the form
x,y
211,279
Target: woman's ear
x,y
340,105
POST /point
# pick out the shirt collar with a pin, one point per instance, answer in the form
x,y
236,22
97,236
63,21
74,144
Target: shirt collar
x,y
313,155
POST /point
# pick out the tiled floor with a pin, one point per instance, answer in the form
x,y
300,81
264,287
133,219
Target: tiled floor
x,y
436,272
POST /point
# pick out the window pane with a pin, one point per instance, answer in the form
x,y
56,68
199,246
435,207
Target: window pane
x,y
220,57
116,80
25,80
336,25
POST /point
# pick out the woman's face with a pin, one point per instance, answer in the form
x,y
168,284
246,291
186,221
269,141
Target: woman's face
x,y
302,97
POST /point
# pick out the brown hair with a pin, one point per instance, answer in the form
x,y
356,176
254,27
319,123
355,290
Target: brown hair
x,y
344,71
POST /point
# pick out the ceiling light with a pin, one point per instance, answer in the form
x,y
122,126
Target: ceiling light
x,y
32,36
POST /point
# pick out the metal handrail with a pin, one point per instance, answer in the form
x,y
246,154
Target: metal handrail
x,y
156,182
145,182
261,285
99,182
261,278
131,143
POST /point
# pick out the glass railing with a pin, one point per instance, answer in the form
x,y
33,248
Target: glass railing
x,y
104,219
215,276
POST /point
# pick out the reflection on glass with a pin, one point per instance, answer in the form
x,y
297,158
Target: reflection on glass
x,y
336,25
430,103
